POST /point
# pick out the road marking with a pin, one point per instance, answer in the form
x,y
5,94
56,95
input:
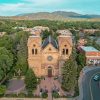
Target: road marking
x,y
90,84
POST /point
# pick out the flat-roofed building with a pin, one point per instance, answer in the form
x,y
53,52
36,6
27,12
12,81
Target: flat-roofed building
x,y
90,30
42,28
92,55
82,42
37,30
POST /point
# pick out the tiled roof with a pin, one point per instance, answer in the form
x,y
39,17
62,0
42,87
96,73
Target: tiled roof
x,y
50,40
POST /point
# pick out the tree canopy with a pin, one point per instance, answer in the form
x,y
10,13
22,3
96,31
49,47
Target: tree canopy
x,y
30,81
69,73
6,61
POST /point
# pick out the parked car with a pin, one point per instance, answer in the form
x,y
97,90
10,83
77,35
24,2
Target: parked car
x,y
96,77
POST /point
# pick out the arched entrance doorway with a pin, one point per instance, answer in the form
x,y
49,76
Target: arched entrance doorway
x,y
49,71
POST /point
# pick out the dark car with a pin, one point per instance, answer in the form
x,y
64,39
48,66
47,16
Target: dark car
x,y
96,77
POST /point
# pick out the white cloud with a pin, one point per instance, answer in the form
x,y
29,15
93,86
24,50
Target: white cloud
x,y
10,7
44,2
27,6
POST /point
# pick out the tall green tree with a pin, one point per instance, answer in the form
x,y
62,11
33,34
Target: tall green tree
x,y
6,61
45,34
22,55
69,75
30,81
81,60
7,42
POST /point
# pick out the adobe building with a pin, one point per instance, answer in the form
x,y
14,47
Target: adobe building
x,y
47,57
81,42
90,31
38,30
92,55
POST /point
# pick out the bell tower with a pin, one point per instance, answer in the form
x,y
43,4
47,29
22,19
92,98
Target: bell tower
x,y
65,47
65,44
34,53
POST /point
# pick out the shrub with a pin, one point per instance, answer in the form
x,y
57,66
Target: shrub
x,y
44,95
55,94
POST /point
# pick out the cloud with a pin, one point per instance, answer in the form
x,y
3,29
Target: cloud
x,y
44,2
10,7
29,6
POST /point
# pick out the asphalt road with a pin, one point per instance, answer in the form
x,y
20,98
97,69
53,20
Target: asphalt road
x,y
91,89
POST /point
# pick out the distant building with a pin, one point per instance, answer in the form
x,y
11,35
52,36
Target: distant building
x,y
46,58
37,30
28,29
81,42
91,31
23,28
92,55
42,28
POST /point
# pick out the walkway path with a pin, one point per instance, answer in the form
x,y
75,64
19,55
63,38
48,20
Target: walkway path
x,y
50,96
49,84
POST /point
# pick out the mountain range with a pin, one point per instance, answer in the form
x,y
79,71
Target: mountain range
x,y
57,15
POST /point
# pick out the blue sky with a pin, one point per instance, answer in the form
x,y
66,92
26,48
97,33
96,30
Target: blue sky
x,y
14,7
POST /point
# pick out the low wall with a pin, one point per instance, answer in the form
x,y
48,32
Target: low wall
x,y
36,99
22,99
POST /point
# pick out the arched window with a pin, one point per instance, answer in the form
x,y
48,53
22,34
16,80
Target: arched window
x,y
66,51
63,51
33,51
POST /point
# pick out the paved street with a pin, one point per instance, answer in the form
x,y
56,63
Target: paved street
x,y
90,88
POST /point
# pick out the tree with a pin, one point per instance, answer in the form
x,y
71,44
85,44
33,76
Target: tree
x,y
7,42
45,34
22,64
81,60
2,90
6,61
30,81
69,75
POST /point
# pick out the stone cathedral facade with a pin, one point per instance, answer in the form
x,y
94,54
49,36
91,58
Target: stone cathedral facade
x,y
47,57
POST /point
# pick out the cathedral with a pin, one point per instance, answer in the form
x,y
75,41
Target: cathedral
x,y
47,57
